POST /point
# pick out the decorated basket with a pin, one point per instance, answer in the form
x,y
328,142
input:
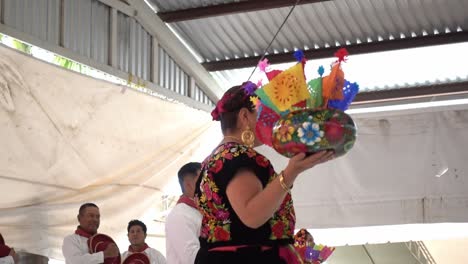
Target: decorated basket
x,y
296,116
311,131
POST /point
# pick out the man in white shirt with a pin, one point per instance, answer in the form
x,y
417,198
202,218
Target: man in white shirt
x,y
7,260
137,235
75,246
184,221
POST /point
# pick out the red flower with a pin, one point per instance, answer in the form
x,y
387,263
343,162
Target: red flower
x,y
341,54
334,131
262,161
278,229
217,166
296,148
221,234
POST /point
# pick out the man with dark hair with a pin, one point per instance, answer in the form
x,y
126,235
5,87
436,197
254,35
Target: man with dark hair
x,y
184,221
136,235
75,246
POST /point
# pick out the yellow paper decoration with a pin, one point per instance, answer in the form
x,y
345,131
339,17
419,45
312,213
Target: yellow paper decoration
x,y
288,88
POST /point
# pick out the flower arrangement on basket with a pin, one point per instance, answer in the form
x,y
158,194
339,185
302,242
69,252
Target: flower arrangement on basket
x,y
295,115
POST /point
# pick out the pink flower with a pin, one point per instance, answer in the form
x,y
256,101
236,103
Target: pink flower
x,y
263,64
207,190
222,215
205,231
216,198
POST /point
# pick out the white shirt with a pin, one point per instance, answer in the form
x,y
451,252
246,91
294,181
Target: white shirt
x,y
154,256
182,231
7,260
75,250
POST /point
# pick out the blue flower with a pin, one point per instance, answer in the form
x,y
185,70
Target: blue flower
x,y
299,55
310,133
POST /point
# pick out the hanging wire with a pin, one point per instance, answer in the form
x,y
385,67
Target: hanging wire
x,y
274,37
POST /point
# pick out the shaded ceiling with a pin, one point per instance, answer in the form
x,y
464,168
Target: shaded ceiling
x,y
228,35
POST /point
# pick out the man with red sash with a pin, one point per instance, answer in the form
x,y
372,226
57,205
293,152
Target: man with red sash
x,y
7,254
184,221
75,246
137,235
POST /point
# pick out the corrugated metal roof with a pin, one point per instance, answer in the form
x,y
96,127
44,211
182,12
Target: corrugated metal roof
x,y
316,25
38,18
380,71
328,24
172,5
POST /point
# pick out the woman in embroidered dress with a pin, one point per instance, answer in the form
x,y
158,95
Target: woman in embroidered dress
x,y
248,214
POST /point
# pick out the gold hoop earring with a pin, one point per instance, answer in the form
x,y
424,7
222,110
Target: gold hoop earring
x,y
248,137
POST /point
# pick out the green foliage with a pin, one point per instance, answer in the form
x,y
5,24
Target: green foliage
x,y
68,64
22,46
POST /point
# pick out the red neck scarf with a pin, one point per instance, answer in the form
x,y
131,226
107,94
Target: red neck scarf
x,y
143,248
79,231
187,200
4,251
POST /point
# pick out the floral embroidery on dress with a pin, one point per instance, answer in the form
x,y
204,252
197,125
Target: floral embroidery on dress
x,y
284,220
216,223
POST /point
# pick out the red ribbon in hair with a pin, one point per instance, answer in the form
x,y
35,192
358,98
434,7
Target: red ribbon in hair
x,y
219,109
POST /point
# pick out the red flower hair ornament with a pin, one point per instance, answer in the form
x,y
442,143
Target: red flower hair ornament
x,y
248,88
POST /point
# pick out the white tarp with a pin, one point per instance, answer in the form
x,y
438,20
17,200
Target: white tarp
x,y
66,139
406,167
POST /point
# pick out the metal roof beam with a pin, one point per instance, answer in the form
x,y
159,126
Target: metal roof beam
x,y
439,89
368,47
229,8
119,5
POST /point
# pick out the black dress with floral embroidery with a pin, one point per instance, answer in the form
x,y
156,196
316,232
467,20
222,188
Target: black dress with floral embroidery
x,y
220,225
